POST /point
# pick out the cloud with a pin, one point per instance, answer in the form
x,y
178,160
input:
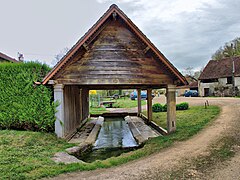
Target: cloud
x,y
187,32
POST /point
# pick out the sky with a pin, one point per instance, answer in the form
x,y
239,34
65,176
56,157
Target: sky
x,y
187,32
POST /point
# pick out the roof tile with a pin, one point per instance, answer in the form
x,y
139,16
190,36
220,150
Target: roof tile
x,y
220,68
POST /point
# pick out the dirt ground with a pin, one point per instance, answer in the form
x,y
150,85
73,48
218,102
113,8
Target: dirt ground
x,y
157,165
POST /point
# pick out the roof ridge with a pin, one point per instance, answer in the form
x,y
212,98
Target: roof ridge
x,y
4,56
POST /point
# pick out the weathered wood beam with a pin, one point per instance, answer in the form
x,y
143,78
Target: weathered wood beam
x,y
110,81
171,108
114,87
86,46
149,104
146,49
139,101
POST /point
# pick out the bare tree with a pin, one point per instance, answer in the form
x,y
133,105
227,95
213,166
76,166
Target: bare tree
x,y
60,55
188,71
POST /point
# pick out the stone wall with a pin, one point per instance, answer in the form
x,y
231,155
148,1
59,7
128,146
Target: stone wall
x,y
202,86
220,88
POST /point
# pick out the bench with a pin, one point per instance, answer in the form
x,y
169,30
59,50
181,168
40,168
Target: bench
x,y
110,103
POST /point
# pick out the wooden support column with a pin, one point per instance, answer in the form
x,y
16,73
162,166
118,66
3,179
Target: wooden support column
x,y
81,105
149,104
139,101
85,103
59,97
171,108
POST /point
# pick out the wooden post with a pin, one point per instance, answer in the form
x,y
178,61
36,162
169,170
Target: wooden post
x,y
139,101
149,104
59,97
81,105
171,108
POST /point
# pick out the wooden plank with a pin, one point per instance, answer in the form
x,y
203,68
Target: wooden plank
x,y
151,70
120,86
132,82
149,104
83,69
118,81
130,64
139,101
94,68
71,109
116,64
85,100
117,76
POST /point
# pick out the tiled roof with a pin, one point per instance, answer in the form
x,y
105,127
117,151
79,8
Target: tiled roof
x,y
5,57
220,68
193,84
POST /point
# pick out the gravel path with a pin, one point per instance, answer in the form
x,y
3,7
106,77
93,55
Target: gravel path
x,y
155,166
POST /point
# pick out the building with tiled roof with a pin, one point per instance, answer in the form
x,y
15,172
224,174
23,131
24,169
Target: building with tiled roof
x,y
5,58
219,77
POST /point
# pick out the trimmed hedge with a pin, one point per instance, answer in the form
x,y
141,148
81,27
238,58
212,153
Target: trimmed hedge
x,y
23,105
163,108
182,106
157,107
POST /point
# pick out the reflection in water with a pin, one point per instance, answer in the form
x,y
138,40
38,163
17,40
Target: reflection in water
x,y
115,133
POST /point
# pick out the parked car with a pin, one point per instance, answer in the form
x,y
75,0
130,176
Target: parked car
x,y
115,96
133,95
191,93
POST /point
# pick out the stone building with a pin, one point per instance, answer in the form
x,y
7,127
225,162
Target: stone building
x,y
219,77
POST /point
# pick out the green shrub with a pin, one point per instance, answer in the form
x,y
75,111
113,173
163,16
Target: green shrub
x,y
182,106
163,108
24,105
157,107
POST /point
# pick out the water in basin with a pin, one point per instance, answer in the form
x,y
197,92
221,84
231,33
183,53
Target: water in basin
x,y
113,139
115,133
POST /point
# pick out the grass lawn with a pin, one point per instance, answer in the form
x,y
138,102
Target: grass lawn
x,y
127,103
196,116
119,103
98,110
26,155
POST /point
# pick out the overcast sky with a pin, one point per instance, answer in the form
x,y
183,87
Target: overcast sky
x,y
187,32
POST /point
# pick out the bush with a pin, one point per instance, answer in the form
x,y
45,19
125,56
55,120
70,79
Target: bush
x,y
23,105
157,107
163,108
182,106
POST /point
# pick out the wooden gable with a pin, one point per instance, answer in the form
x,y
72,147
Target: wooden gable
x,y
115,54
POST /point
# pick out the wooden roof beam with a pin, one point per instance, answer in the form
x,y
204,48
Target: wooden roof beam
x,y
146,49
85,46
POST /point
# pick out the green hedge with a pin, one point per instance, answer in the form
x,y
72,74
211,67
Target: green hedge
x,y
157,107
182,106
163,108
24,105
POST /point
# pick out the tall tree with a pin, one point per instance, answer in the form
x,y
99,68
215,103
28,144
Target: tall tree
x,y
230,49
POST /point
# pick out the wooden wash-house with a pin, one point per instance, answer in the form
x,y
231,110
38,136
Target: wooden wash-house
x,y
113,54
